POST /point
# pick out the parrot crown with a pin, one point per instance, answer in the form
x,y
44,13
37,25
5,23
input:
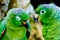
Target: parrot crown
x,y
19,13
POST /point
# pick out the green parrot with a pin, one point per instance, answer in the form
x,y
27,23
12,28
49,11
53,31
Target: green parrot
x,y
15,26
49,15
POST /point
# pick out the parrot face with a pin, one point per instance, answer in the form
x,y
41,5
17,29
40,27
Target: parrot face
x,y
17,16
44,13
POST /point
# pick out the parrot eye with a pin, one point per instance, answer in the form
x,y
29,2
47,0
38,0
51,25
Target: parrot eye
x,y
18,18
42,11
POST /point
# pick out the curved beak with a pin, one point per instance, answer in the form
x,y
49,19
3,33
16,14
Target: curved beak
x,y
26,24
36,18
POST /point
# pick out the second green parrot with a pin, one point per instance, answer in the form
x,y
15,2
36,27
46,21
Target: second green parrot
x,y
49,14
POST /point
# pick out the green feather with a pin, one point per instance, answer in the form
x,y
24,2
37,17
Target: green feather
x,y
13,25
50,18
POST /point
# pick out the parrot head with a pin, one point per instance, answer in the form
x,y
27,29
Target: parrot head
x,y
17,16
45,12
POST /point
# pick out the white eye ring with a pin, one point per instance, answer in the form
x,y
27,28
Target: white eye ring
x,y
42,11
18,18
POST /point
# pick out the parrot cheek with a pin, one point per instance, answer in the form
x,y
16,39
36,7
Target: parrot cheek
x,y
41,20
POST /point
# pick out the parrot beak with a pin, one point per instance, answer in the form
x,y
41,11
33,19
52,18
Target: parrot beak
x,y
25,24
36,18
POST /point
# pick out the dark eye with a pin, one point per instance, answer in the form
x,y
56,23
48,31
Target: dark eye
x,y
42,11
